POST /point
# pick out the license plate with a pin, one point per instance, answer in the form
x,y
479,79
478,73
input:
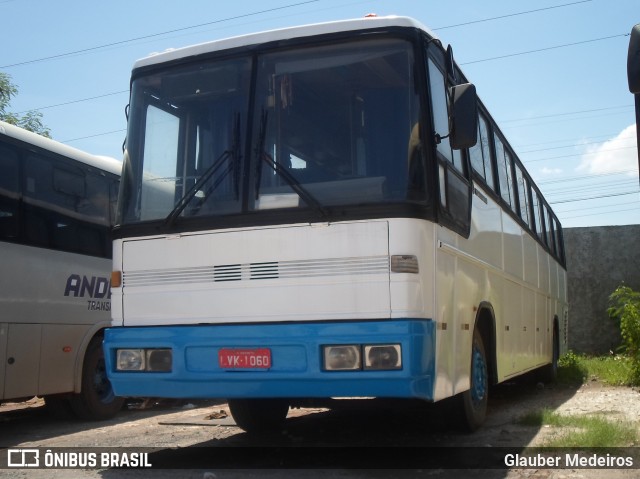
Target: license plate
x,y
244,358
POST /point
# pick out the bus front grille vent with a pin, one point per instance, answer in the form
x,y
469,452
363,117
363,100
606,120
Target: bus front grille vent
x,y
227,272
264,270
283,270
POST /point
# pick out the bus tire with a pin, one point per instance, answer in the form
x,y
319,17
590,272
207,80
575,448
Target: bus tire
x,y
471,410
96,401
259,415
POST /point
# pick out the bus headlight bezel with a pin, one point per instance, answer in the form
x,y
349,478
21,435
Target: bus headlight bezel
x,y
144,360
382,357
359,357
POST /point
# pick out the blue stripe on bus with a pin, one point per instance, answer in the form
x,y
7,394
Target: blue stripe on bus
x,y
296,354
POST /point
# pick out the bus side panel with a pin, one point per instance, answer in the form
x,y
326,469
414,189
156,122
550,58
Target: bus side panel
x,y
463,282
58,357
512,234
56,296
470,288
23,360
530,251
445,302
533,335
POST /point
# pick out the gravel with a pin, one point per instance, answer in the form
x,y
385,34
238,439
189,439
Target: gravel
x,y
166,425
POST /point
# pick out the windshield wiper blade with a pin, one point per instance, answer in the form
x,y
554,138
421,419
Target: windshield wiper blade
x,y
188,196
295,185
234,154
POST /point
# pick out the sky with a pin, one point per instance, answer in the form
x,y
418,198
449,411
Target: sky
x,y
551,72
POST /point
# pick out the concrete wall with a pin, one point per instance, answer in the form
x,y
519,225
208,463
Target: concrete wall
x,y
598,260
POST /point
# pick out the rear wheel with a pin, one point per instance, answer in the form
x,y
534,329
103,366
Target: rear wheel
x,y
259,415
96,400
471,405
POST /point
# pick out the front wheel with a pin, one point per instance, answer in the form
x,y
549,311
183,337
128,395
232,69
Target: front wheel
x,y
471,405
259,415
96,400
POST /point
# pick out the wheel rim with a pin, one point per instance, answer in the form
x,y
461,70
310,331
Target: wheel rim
x,y
478,377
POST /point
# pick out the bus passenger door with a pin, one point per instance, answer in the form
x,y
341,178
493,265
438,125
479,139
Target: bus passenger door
x,y
22,359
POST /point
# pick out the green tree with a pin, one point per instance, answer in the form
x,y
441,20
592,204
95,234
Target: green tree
x,y
625,308
31,120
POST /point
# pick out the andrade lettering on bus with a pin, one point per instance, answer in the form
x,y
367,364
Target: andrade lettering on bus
x,y
96,287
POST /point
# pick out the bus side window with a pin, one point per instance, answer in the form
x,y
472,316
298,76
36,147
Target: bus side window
x,y
9,193
551,239
560,241
503,159
523,195
58,213
480,154
536,214
440,106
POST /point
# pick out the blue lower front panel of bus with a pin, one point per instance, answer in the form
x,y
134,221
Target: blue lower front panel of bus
x,y
296,360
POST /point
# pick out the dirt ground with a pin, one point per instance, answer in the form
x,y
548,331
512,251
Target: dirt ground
x,y
191,430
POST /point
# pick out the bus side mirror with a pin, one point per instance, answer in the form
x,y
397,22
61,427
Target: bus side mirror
x,y
464,116
633,61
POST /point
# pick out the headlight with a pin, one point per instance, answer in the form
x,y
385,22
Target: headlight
x,y
342,358
151,360
159,360
130,360
383,356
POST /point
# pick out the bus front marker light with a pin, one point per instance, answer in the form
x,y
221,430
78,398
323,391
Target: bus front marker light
x,y
116,279
159,360
383,356
130,360
342,358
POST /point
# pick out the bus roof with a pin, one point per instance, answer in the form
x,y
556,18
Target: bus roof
x,y
282,34
105,163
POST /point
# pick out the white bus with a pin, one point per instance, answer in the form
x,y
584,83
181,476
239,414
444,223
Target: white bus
x,y
306,213
56,210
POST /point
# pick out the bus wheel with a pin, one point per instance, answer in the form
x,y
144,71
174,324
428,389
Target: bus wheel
x,y
259,415
472,404
96,400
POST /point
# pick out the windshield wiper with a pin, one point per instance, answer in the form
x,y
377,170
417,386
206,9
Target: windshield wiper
x,y
295,185
188,196
234,154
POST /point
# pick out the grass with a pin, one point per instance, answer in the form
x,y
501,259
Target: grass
x,y
588,430
584,431
614,370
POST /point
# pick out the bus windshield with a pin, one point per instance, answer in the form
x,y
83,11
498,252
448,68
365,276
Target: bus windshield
x,y
330,125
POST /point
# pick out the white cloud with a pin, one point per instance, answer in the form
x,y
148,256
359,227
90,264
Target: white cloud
x,y
613,155
551,171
